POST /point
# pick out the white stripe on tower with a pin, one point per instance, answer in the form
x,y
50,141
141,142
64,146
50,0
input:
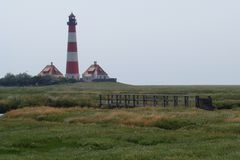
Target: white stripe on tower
x,y
72,70
72,56
72,37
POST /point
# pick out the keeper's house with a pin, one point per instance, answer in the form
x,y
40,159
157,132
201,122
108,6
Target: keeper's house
x,y
95,73
51,70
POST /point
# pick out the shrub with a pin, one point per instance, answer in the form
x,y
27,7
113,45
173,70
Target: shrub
x,y
23,79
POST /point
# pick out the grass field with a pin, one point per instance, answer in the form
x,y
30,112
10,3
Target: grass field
x,y
86,94
43,133
84,132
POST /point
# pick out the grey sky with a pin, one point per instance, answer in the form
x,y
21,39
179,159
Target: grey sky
x,y
137,41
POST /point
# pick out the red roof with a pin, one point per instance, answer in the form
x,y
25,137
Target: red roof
x,y
94,69
50,70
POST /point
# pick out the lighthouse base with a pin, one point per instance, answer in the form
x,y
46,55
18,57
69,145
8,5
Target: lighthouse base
x,y
72,76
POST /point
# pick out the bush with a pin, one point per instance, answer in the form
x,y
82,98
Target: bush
x,y
8,80
23,79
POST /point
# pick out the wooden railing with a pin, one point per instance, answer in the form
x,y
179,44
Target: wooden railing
x,y
137,100
142,100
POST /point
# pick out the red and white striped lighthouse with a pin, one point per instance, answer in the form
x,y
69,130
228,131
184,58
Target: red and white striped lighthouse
x,y
72,70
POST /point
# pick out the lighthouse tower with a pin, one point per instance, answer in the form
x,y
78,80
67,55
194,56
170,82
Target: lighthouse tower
x,y
72,70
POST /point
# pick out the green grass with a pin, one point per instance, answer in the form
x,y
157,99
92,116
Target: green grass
x,y
86,94
42,133
142,133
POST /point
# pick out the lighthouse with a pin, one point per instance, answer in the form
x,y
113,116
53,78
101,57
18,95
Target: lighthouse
x,y
72,70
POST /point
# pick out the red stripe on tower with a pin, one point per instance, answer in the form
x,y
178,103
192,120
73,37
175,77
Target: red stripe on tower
x,y
72,67
72,47
72,70
72,29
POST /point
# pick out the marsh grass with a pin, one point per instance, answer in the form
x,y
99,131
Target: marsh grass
x,y
69,124
86,94
138,133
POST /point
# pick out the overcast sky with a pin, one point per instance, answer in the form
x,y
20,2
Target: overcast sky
x,y
154,42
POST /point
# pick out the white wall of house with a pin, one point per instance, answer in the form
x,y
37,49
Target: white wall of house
x,y
91,78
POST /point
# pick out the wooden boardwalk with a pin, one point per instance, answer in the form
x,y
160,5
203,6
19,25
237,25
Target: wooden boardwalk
x,y
142,100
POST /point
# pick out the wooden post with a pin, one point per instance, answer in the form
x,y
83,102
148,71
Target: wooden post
x,y
167,102
137,100
125,100
197,101
164,101
129,100
112,98
134,101
154,101
120,100
186,101
100,100
117,105
144,100
108,100
175,101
